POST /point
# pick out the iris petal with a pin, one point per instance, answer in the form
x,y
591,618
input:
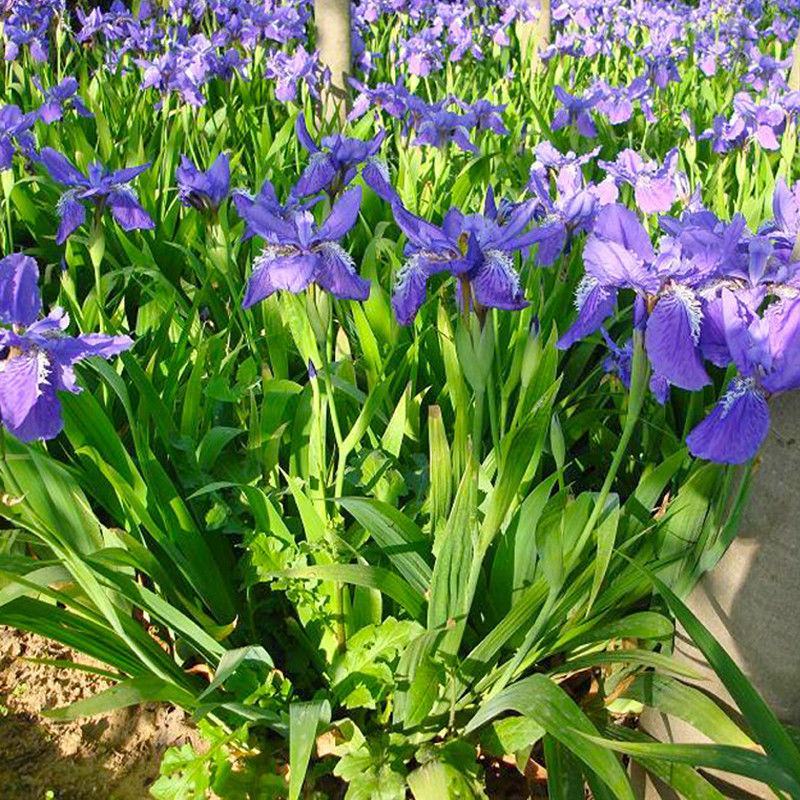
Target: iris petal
x,y
672,337
20,301
497,285
736,427
273,271
338,275
21,379
595,304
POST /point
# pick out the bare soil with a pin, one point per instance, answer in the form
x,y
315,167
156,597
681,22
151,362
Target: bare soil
x,y
111,756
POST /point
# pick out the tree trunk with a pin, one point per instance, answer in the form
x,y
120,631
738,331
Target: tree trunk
x,y
794,75
332,23
535,36
750,601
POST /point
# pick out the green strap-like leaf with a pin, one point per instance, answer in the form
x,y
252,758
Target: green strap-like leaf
x,y
540,698
131,692
303,721
736,760
398,537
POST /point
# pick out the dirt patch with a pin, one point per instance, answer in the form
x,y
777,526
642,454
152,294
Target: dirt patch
x,y
111,756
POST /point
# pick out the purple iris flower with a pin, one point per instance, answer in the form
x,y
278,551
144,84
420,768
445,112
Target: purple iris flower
x,y
297,252
92,24
461,36
34,36
333,165
616,103
763,69
422,53
15,131
575,111
475,248
38,355
549,157
438,127
56,98
574,208
389,97
765,350
617,255
100,188
204,191
655,187
661,58
289,71
485,116
762,120
266,201
710,57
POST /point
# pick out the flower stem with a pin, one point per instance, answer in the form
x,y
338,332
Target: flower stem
x,y
97,249
639,378
338,587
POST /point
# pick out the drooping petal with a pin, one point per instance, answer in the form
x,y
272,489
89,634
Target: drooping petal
x,y
337,274
496,283
621,225
219,178
44,420
765,135
585,125
6,152
21,379
376,176
128,212
409,289
61,169
303,136
342,217
672,338
318,175
736,427
20,301
72,213
746,336
659,386
273,271
783,325
595,304
713,344
50,112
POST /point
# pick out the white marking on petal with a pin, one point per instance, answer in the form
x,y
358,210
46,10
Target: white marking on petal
x,y
381,166
497,259
587,285
64,200
739,387
690,302
335,250
405,272
42,370
270,253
